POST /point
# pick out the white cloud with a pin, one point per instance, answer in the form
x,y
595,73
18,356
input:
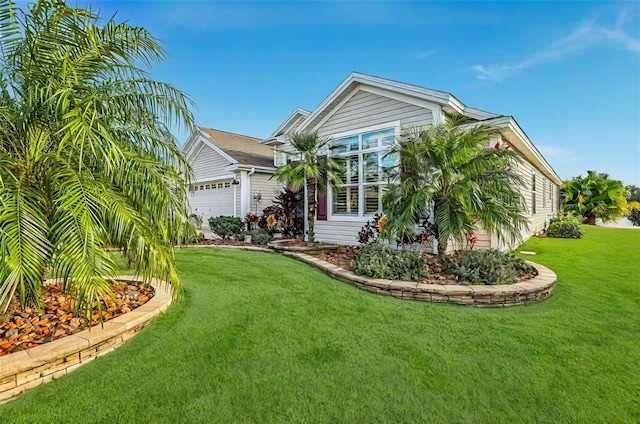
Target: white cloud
x,y
425,54
559,153
588,34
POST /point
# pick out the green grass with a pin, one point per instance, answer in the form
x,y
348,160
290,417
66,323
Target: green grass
x,y
263,338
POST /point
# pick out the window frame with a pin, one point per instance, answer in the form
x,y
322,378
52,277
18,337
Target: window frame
x,y
360,153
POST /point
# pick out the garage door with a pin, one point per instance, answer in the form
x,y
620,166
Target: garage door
x,y
209,201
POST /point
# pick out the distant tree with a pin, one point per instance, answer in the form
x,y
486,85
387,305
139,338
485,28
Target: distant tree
x,y
634,193
448,171
594,196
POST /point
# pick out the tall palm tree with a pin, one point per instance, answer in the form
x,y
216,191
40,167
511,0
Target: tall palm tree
x,y
449,171
310,167
87,160
595,196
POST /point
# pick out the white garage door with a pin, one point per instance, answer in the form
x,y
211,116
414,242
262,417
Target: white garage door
x,y
208,201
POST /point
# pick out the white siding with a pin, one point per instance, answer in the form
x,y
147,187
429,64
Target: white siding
x,y
546,202
365,109
269,188
340,232
208,164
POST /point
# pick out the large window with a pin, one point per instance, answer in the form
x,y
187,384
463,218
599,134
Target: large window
x,y
364,180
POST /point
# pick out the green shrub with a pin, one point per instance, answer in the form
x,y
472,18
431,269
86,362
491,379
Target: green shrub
x,y
486,267
564,226
381,261
634,217
261,236
226,226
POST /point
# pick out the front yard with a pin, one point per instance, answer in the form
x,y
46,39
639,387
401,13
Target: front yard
x,y
263,338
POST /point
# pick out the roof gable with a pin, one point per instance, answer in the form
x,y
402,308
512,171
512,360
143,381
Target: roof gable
x,y
237,148
291,123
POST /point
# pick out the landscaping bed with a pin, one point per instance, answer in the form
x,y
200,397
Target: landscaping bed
x,y
345,255
27,328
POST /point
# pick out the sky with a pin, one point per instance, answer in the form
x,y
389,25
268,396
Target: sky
x,y
568,72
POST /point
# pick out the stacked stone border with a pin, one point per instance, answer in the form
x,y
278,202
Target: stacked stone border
x,y
23,370
491,296
499,295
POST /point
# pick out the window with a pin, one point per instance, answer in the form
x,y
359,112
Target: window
x,y
533,194
544,195
206,187
194,187
364,181
220,185
213,186
227,184
201,187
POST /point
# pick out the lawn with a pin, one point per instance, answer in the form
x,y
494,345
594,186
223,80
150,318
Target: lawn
x,y
262,338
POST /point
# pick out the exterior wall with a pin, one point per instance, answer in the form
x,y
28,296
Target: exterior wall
x,y
207,164
208,169
546,200
269,188
363,110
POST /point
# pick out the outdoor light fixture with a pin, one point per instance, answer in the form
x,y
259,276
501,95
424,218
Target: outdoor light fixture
x,y
235,182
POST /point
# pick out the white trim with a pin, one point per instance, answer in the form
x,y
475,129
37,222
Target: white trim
x,y
397,132
245,193
297,111
194,152
246,167
388,125
436,110
216,178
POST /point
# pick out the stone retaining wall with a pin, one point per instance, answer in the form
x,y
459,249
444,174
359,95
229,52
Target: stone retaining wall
x,y
23,370
537,288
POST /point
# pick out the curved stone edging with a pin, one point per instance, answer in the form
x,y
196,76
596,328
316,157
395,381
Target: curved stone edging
x,y
23,370
499,295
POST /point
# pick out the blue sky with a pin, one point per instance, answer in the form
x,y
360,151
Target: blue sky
x,y
569,72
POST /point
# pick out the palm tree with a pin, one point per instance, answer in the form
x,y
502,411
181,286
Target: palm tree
x,y
310,167
87,160
595,196
448,171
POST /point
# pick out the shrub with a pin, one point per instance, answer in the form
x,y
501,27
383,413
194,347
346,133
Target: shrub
x,y
380,261
634,216
564,225
486,267
226,226
260,236
292,205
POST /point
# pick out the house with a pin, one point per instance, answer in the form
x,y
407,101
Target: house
x,y
365,114
232,174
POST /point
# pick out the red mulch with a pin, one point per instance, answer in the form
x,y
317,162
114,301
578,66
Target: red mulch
x,y
28,328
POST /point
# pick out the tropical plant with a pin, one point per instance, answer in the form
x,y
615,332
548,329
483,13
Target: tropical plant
x,y
594,196
488,266
87,159
310,167
291,202
564,225
449,171
378,260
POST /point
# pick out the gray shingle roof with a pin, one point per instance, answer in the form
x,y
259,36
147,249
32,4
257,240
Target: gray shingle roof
x,y
246,150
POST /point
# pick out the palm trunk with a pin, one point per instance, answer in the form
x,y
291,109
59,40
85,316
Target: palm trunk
x,y
311,208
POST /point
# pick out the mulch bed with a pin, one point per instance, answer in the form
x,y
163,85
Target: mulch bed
x,y
346,254
27,328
